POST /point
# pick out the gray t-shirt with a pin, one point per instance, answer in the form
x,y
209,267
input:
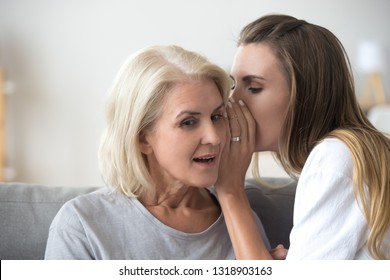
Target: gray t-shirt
x,y
108,225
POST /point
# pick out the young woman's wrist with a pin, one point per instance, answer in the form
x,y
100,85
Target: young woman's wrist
x,y
226,188
230,196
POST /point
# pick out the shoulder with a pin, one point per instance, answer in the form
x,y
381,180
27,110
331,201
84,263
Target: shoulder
x,y
88,207
331,148
327,176
89,201
330,155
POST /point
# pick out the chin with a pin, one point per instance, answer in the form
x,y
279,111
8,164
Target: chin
x,y
266,148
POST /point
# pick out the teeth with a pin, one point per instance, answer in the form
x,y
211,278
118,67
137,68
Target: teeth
x,y
204,159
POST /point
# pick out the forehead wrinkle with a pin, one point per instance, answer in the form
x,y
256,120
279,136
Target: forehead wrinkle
x,y
187,112
195,113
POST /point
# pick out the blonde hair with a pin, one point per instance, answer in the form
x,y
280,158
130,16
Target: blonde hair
x,y
323,104
135,102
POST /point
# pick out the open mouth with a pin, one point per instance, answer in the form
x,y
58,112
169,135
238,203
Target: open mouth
x,y
208,159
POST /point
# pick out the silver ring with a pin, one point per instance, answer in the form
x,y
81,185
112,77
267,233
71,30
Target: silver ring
x,y
235,139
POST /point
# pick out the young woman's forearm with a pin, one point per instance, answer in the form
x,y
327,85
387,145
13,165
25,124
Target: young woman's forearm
x,y
243,231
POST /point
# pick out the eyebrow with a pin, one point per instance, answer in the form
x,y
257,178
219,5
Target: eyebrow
x,y
253,77
247,78
193,113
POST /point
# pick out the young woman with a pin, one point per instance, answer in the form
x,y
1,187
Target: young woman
x,y
296,82
160,153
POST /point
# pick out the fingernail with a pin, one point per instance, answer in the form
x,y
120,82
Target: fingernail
x,y
241,102
230,104
232,100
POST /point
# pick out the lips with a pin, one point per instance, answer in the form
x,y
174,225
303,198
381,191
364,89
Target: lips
x,y
205,159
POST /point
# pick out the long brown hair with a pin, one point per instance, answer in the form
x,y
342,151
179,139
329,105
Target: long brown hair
x,y
323,104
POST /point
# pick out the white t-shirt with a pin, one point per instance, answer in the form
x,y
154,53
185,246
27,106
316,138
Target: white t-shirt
x,y
328,223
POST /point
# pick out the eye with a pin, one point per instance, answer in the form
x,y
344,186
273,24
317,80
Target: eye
x,y
188,123
255,89
216,117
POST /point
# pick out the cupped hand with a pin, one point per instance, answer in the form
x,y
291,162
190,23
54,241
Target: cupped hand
x,y
239,148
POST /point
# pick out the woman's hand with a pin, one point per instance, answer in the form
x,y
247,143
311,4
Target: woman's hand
x,y
239,147
239,217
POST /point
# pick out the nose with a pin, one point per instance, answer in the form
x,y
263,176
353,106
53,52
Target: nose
x,y
212,133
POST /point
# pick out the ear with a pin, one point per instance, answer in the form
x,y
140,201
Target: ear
x,y
145,146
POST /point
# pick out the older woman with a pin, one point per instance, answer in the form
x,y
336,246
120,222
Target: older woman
x,y
159,155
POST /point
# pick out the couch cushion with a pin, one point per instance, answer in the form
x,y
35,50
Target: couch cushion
x,y
26,212
274,205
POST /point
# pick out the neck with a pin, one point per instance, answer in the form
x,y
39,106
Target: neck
x,y
176,197
188,209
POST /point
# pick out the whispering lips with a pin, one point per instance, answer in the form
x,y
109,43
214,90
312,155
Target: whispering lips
x,y
205,159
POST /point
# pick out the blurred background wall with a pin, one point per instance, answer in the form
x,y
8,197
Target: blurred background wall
x,y
60,57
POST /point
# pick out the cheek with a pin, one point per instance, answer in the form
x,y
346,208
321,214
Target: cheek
x,y
269,120
255,106
166,144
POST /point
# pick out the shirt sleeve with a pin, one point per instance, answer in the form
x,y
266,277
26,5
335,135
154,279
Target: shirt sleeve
x,y
328,223
67,239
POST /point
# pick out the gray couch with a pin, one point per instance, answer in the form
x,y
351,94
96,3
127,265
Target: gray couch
x,y
26,211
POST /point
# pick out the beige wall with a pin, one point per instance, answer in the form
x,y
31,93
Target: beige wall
x,y
63,55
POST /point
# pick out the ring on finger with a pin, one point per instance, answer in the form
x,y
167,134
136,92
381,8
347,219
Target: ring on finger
x,y
235,139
